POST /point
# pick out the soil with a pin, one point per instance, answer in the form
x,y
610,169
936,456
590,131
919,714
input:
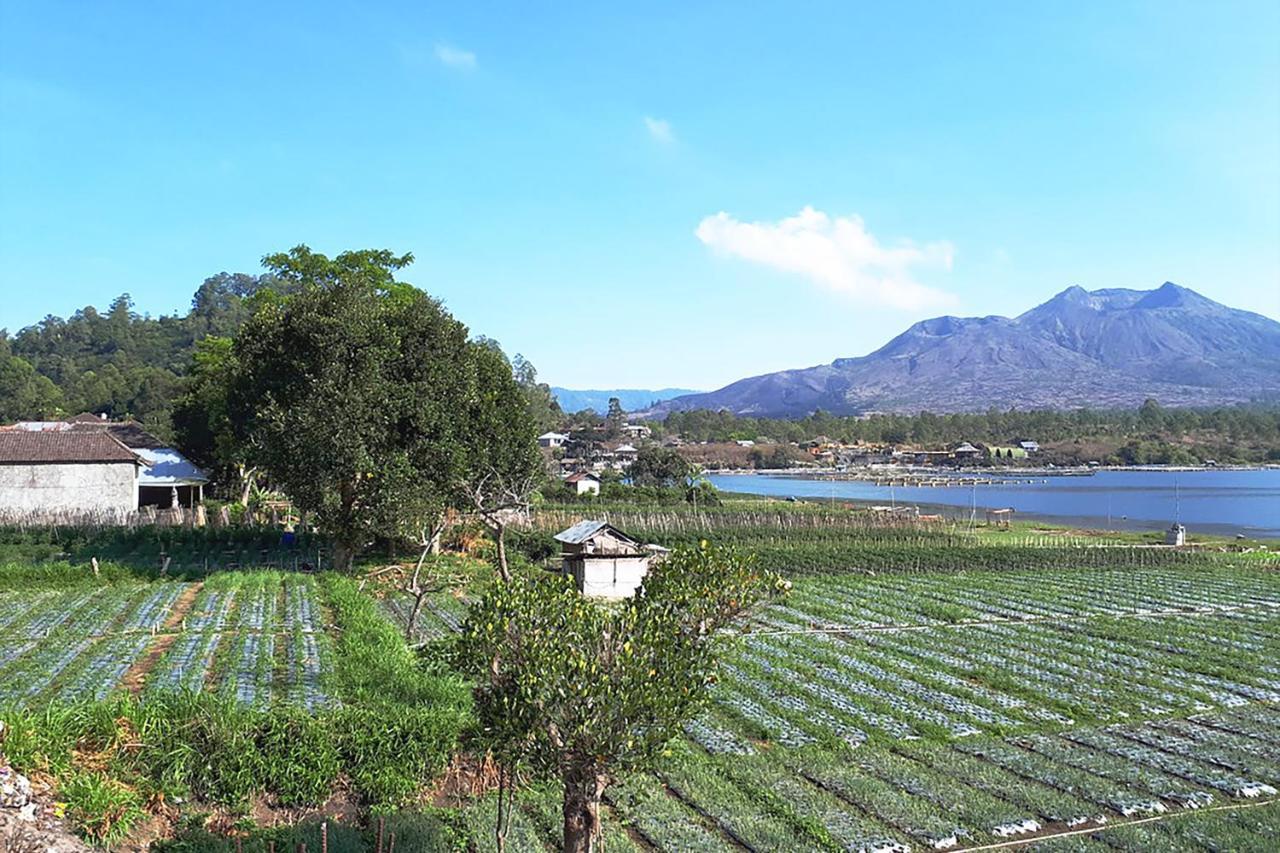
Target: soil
x,y
137,674
341,807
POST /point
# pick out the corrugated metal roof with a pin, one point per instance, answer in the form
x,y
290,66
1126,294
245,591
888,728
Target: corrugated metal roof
x,y
585,530
581,532
20,447
168,467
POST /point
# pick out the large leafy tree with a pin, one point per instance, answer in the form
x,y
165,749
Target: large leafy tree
x,y
578,691
352,396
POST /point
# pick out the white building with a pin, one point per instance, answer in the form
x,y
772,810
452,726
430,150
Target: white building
x,y
584,483
636,431
167,479
1030,446
603,561
62,475
552,439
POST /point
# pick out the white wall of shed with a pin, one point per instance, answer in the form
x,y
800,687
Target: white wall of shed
x,y
41,491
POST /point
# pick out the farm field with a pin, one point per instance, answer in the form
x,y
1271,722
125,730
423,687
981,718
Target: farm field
x,y
1109,709
256,637
1081,709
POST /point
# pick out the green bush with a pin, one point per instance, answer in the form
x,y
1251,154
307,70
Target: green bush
x,y
103,809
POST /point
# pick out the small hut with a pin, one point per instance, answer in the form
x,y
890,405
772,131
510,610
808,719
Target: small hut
x,y
603,561
1176,535
583,483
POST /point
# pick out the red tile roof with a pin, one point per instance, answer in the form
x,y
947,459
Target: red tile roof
x,y
24,448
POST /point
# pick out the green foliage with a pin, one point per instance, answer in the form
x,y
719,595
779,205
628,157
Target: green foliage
x,y
24,393
119,362
304,759
658,466
429,831
392,725
399,721
60,555
201,416
565,681
101,808
544,411
365,402
802,539
1235,433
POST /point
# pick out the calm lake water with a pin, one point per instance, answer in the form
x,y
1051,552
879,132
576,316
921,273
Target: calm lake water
x,y
1223,502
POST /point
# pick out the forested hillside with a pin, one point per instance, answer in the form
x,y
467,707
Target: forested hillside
x,y
118,362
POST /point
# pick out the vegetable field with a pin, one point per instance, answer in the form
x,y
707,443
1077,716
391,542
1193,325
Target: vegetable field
x,y
1094,708
257,637
1075,710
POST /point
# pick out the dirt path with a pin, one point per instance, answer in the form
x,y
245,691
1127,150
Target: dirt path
x,y
136,677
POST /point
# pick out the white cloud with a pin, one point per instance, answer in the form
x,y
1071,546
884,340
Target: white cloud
x,y
839,254
660,130
455,57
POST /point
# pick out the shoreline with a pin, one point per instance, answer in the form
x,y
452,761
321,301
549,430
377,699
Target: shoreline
x,y
1009,472
1078,501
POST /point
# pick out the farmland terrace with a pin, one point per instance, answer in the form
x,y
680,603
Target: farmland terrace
x,y
1110,703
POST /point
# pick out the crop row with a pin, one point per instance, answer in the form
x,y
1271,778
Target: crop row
x,y
255,638
972,791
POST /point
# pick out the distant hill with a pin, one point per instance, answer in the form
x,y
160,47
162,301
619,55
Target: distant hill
x,y
631,398
1097,348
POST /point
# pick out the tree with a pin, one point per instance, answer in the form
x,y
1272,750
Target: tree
x,y
349,395
543,408
201,418
24,394
504,467
578,691
615,419
658,466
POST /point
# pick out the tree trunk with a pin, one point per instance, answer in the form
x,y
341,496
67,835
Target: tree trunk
x,y
344,555
504,571
583,788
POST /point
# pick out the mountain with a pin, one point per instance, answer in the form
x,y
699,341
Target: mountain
x,y
631,398
1101,348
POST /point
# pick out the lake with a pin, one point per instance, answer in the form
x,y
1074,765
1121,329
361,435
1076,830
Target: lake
x,y
1221,502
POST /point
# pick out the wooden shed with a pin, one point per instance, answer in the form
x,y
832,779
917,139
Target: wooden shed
x,y
603,561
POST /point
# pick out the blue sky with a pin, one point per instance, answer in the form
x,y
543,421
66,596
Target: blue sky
x,y
647,194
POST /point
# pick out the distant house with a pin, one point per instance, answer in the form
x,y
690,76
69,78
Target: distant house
x,y
624,455
584,483
552,439
53,475
745,442
636,431
965,451
603,561
1030,446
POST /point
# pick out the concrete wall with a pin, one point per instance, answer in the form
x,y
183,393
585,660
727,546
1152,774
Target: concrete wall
x,y
39,492
608,577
